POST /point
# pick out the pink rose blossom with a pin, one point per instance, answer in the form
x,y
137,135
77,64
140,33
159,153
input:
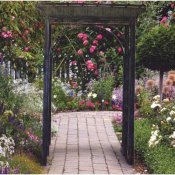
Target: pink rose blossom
x,y
99,37
80,35
9,33
84,38
91,50
90,65
85,42
85,35
73,62
95,42
163,20
80,52
119,50
26,49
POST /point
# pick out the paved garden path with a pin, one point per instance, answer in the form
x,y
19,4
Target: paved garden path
x,y
86,144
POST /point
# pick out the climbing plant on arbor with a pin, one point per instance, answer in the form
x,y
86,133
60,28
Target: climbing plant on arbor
x,y
21,35
90,53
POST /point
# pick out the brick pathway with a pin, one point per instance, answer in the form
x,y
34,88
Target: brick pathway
x,y
87,144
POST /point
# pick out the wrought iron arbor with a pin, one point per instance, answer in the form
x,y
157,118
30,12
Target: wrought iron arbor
x,y
93,14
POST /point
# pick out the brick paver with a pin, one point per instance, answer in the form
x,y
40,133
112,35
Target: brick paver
x,y
86,144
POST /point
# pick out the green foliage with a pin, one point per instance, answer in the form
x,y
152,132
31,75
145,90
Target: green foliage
x,y
144,104
104,87
142,135
8,99
22,164
149,18
59,96
156,49
117,128
160,159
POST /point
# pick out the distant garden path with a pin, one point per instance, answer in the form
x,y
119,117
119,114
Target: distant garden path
x,y
86,144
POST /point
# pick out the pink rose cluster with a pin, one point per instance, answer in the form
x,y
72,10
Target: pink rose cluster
x,y
83,37
92,49
90,65
5,33
90,104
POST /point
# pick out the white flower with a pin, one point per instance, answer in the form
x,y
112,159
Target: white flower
x,y
168,119
94,95
155,138
172,136
173,143
163,109
157,97
55,96
172,113
90,94
6,146
166,100
155,105
114,97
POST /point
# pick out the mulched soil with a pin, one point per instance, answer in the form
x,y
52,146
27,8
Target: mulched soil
x,y
140,165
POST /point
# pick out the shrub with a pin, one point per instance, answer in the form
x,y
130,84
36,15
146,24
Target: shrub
x,y
142,135
103,88
156,50
8,99
161,158
22,164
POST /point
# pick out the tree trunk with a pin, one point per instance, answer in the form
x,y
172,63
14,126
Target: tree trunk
x,y
160,84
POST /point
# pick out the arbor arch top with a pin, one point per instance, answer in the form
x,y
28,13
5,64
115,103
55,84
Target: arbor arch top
x,y
90,13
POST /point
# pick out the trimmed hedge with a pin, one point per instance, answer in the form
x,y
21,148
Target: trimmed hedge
x,y
160,159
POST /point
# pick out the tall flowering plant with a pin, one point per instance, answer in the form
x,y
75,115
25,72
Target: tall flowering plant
x,y
163,130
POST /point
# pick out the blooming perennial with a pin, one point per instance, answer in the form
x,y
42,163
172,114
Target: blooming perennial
x,y
172,137
164,131
7,146
155,137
